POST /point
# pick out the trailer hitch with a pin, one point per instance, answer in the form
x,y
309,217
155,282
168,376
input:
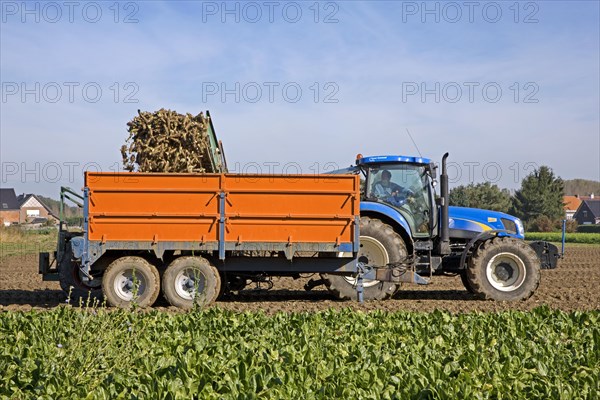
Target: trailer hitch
x,y
390,273
399,274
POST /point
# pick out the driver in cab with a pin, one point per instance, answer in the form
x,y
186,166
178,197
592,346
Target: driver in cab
x,y
390,192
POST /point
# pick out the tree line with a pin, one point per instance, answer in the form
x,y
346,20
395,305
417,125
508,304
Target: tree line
x,y
538,202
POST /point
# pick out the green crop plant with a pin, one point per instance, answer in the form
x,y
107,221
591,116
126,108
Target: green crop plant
x,y
216,354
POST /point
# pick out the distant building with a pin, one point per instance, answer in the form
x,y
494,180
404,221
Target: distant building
x,y
588,212
32,208
23,209
10,212
571,204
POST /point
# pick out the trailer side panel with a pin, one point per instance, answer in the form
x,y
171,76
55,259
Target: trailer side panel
x,y
229,208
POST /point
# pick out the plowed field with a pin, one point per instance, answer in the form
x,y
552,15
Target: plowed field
x,y
574,285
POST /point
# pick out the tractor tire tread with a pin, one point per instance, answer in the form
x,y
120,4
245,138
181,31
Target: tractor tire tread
x,y
344,290
476,269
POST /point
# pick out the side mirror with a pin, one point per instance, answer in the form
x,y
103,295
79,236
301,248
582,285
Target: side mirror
x,y
432,170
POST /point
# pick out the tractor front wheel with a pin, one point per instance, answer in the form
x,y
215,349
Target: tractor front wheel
x,y
465,281
504,268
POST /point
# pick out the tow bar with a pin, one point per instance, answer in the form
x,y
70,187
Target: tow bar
x,y
389,273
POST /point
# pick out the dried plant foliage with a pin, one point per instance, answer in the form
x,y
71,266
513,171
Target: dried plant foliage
x,y
166,141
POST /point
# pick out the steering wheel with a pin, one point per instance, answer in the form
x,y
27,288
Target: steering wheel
x,y
398,201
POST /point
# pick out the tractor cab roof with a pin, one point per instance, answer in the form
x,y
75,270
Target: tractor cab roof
x,y
360,160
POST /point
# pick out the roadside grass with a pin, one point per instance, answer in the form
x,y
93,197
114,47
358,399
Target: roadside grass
x,y
17,241
556,237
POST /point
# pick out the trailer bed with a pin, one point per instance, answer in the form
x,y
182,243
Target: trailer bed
x,y
221,212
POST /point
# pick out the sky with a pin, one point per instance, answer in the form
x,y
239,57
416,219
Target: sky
x,y
302,87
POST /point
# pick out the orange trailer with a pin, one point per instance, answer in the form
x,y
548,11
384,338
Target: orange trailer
x,y
223,212
192,229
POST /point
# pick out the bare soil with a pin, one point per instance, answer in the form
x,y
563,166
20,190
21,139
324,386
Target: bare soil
x,y
574,285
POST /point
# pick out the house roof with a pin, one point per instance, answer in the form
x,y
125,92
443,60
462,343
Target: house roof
x,y
8,199
594,206
22,199
571,202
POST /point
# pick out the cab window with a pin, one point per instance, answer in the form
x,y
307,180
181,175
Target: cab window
x,y
404,187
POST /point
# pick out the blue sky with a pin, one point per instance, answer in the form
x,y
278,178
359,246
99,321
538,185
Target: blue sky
x,y
503,86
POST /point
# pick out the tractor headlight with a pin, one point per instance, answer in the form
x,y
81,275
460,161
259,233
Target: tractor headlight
x,y
520,227
509,225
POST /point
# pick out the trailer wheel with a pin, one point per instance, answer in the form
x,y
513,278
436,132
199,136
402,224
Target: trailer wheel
x,y
379,244
191,280
504,268
131,280
71,281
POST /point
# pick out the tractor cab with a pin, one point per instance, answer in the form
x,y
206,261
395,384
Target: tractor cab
x,y
405,226
405,184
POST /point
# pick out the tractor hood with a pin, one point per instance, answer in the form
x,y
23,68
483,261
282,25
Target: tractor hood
x,y
468,222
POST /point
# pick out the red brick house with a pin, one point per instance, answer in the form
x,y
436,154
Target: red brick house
x,y
22,209
32,208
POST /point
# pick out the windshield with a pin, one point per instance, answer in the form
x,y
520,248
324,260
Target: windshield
x,y
404,187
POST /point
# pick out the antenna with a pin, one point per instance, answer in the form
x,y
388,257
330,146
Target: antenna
x,y
413,140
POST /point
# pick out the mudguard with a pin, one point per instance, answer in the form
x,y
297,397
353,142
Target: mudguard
x,y
388,212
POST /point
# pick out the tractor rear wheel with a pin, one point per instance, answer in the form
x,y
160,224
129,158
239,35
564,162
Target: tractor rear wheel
x,y
190,281
379,245
504,268
131,280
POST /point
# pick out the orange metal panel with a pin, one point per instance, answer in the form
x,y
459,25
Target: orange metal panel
x,y
295,208
153,207
258,208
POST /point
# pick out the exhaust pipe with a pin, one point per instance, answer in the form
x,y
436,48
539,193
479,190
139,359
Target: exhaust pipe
x,y
444,219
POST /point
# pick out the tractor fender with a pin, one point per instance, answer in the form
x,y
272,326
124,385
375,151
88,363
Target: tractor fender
x,y
391,217
485,235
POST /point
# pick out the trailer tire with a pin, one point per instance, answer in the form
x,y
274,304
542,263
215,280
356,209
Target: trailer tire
x,y
191,281
77,291
389,244
504,269
120,279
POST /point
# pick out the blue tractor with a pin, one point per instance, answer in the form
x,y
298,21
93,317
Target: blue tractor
x,y
405,226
